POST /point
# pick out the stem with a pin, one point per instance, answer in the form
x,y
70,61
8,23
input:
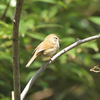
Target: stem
x,y
16,73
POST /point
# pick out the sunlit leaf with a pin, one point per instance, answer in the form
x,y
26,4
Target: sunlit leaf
x,y
95,20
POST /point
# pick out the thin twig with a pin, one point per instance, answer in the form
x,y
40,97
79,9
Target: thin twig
x,y
3,16
95,69
16,73
32,80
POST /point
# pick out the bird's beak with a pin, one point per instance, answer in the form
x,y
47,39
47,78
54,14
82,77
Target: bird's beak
x,y
60,40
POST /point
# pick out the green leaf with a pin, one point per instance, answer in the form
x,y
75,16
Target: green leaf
x,y
48,25
25,25
62,4
36,35
32,73
95,20
92,45
46,1
96,56
5,56
6,25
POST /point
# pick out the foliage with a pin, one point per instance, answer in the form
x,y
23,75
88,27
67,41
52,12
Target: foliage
x,y
69,76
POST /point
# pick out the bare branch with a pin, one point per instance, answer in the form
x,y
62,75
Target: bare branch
x,y
16,73
95,69
32,80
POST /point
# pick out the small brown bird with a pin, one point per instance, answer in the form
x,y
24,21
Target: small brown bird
x,y
46,49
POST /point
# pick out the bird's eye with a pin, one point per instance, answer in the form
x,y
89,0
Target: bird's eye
x,y
55,37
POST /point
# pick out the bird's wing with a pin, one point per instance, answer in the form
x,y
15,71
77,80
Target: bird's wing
x,y
43,46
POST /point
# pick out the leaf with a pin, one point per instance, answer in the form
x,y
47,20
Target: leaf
x,y
62,4
68,41
80,72
53,12
92,45
48,25
5,56
95,20
32,73
46,1
72,53
96,56
25,25
63,59
36,35
6,25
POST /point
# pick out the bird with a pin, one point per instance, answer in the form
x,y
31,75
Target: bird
x,y
46,49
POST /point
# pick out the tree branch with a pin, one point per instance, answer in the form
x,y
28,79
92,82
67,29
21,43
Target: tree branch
x,y
32,80
16,73
95,69
3,16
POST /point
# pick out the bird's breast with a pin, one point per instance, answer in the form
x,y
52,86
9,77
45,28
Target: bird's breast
x,y
51,51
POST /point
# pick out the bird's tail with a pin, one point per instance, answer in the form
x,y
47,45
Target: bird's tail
x,y
31,60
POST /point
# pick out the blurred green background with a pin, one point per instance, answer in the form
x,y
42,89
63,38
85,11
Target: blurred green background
x,y
68,77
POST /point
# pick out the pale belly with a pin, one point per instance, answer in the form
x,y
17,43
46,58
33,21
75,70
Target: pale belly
x,y
47,54
50,52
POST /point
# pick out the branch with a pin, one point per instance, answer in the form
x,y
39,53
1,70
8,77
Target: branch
x,y
3,16
32,80
16,73
95,69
